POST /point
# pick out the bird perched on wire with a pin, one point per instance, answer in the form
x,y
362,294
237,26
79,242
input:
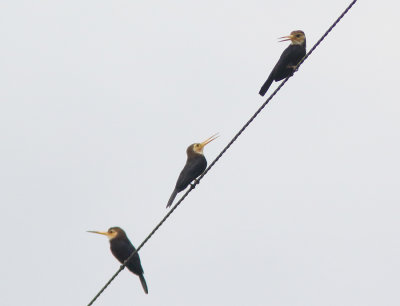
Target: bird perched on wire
x,y
122,248
288,60
195,165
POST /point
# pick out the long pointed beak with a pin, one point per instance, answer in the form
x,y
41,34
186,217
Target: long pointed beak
x,y
96,232
208,140
285,38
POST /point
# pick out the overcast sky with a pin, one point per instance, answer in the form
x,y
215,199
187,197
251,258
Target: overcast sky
x,y
99,101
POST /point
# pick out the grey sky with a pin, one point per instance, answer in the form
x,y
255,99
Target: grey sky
x,y
99,100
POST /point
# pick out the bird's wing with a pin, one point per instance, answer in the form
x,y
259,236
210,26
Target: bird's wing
x,y
280,69
192,170
290,57
122,250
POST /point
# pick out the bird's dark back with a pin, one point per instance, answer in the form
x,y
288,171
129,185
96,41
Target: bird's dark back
x,y
122,249
193,168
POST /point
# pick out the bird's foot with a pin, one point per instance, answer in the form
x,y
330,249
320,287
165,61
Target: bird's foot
x,y
195,182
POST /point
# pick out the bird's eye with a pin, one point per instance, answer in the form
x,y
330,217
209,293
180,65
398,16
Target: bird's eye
x,y
298,35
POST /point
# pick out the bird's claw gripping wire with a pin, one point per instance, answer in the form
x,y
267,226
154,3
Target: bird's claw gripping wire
x,y
195,182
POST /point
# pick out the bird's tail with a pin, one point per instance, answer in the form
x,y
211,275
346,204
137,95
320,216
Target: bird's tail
x,y
172,197
265,87
144,285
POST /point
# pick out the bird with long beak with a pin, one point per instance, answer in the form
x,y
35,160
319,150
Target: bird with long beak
x,y
195,165
288,60
122,248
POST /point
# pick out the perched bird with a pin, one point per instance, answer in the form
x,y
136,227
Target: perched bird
x,y
288,60
122,248
195,165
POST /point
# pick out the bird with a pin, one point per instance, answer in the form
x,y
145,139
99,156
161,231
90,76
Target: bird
x,y
122,248
289,59
195,165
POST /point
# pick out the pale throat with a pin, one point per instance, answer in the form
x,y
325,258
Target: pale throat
x,y
296,42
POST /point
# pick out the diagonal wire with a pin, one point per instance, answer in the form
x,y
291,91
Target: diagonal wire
x,y
192,186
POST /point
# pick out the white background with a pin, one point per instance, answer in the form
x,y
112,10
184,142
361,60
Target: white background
x,y
99,100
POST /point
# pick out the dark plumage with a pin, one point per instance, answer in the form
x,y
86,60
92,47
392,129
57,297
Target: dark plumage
x,y
195,165
122,248
288,60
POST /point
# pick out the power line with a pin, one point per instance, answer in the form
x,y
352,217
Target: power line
x,y
192,186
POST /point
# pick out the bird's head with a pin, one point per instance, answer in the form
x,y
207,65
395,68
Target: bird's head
x,y
197,148
296,37
112,233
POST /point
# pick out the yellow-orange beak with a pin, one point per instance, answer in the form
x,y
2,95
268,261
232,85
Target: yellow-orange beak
x,y
101,233
285,38
208,140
